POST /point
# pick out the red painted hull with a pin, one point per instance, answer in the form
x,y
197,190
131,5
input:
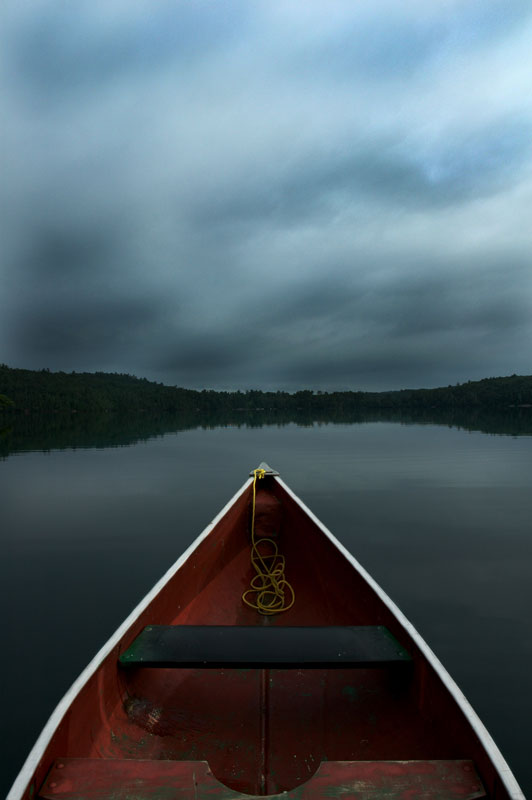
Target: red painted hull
x,y
265,731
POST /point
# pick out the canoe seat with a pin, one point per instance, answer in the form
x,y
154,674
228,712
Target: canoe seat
x,y
262,646
97,778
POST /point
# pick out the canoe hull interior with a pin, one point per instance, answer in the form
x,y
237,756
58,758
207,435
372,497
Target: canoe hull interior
x,y
265,730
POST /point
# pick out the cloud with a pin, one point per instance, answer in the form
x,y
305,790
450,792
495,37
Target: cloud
x,y
230,194
380,172
60,51
394,43
83,330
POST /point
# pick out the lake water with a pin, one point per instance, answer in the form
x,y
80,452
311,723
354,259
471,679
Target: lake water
x,y
93,512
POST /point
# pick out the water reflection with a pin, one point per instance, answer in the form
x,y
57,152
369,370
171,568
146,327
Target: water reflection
x,y
35,432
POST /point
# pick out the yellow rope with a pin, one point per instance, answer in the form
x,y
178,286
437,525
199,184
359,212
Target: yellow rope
x,y
269,584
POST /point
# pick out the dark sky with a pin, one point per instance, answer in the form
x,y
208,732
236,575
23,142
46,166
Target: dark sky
x,y
270,194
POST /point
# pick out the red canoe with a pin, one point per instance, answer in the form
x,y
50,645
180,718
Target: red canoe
x,y
200,696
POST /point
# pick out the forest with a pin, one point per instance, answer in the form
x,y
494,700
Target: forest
x,y
43,391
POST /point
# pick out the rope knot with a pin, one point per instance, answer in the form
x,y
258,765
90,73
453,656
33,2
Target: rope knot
x,y
269,584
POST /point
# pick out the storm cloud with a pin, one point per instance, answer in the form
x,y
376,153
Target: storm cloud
x,y
269,195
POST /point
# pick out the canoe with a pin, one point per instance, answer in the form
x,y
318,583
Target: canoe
x,y
265,662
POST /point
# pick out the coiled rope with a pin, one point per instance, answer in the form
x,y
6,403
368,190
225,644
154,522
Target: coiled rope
x,y
269,592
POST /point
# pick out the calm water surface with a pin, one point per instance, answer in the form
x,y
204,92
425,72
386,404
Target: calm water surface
x,y
439,516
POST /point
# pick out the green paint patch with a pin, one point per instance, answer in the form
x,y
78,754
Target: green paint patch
x,y
351,692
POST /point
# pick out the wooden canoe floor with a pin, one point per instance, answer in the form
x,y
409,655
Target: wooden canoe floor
x,y
267,731
95,779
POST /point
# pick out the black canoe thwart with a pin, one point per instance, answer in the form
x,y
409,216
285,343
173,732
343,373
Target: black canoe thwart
x,y
281,647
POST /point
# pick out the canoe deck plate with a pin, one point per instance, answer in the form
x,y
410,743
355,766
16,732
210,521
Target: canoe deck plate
x,y
267,469
277,646
97,778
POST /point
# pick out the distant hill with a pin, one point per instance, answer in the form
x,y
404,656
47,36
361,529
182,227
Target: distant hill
x,y
45,391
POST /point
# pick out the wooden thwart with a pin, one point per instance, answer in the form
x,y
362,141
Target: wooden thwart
x,y
97,778
275,646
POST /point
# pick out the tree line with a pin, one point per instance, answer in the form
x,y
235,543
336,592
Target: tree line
x,y
48,392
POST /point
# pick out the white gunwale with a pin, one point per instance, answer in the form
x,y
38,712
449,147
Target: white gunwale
x,y
30,765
